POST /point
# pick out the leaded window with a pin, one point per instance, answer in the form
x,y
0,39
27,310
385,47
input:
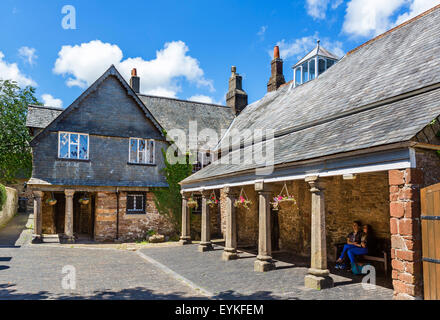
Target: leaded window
x,y
142,151
73,146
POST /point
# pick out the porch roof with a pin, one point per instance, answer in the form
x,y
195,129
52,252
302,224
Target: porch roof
x,y
384,92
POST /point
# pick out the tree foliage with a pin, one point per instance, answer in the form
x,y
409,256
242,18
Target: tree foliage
x,y
15,152
169,200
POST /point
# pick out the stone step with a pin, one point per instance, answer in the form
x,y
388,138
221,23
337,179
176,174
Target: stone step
x,y
51,238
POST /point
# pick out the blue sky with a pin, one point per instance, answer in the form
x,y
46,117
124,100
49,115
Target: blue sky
x,y
181,49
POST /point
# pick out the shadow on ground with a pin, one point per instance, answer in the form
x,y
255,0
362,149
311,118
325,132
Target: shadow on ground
x,y
8,292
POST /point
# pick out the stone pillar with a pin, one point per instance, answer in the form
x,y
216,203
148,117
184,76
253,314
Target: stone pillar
x,y
38,217
264,259
68,220
318,276
230,251
185,238
205,241
405,225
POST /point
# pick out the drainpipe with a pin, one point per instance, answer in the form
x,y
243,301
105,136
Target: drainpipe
x,y
117,213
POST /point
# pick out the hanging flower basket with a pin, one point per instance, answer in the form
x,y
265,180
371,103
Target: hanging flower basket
x,y
84,201
192,204
243,201
283,200
212,201
51,201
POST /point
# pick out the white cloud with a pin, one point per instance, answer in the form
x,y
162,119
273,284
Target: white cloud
x,y
28,54
262,32
202,98
160,76
416,7
10,71
86,62
373,17
318,8
50,101
297,48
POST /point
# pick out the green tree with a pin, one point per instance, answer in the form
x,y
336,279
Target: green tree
x,y
15,152
169,200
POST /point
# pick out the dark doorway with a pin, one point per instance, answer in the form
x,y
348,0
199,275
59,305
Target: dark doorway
x,y
83,215
275,232
60,211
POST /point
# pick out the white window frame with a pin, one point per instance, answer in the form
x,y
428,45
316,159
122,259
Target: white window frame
x,y
69,143
137,211
146,156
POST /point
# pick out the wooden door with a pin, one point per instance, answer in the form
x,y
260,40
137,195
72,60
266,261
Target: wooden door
x,y
430,198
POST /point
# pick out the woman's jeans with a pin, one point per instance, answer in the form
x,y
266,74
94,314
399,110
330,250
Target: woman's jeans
x,y
346,248
352,251
356,252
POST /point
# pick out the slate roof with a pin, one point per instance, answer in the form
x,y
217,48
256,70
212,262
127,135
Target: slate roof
x,y
41,116
176,114
358,103
318,50
166,113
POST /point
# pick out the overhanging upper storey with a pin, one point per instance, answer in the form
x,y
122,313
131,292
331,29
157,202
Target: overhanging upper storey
x,y
313,65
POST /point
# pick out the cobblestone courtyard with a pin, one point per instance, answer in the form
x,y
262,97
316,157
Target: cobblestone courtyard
x,y
172,272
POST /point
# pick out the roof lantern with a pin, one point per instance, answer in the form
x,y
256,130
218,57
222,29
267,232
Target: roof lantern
x,y
313,65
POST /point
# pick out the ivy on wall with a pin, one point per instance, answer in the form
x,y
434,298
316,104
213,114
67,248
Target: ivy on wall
x,y
168,200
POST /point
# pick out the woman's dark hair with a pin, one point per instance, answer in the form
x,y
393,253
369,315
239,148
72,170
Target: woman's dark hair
x,y
369,230
358,223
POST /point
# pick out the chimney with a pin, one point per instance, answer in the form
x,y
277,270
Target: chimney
x,y
236,98
276,77
135,81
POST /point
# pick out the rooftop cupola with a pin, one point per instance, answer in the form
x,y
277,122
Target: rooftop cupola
x,y
313,65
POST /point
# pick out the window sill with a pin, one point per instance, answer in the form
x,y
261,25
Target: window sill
x,y
73,160
141,164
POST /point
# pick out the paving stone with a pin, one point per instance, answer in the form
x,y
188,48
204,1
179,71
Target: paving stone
x,y
237,280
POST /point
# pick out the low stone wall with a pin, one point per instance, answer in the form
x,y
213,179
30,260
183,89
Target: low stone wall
x,y
10,207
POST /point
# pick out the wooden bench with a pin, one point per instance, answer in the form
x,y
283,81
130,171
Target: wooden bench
x,y
379,254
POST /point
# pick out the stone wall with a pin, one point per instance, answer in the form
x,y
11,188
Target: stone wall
x,y
247,220
24,192
405,224
9,208
48,215
365,199
196,224
131,226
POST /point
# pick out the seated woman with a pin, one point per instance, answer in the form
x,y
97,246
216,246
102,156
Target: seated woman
x,y
363,247
353,241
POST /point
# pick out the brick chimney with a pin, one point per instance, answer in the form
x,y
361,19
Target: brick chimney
x,y
135,81
236,98
276,77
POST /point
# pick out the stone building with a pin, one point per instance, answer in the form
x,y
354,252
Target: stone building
x,y
356,142
100,157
